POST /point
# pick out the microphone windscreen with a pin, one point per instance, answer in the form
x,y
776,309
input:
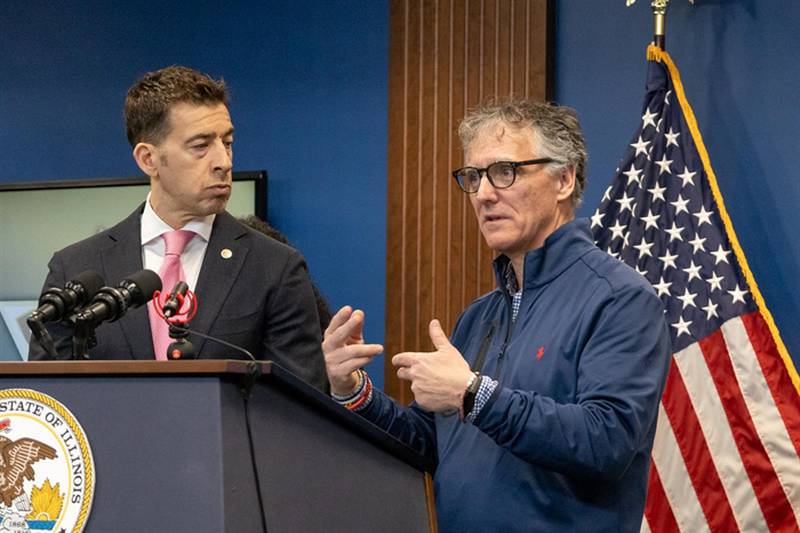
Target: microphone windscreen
x,y
90,281
142,285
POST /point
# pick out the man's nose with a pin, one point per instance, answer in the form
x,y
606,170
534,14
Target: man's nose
x,y
223,157
486,191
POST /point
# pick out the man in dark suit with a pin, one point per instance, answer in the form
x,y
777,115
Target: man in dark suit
x,y
253,291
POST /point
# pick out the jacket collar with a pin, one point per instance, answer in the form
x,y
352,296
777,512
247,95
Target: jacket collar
x,y
560,250
122,256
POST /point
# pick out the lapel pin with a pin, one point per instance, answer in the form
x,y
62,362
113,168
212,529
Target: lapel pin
x,y
226,253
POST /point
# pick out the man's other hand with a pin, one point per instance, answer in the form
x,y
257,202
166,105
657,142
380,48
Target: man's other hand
x,y
438,379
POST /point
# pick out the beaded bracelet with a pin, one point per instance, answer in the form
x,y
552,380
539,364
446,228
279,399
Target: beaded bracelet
x,y
356,392
362,395
361,401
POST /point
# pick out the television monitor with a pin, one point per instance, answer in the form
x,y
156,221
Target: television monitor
x,y
38,218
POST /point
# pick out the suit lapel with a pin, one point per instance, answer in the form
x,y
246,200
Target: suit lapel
x,y
120,259
224,258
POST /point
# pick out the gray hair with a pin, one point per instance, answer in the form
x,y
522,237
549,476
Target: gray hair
x,y
555,129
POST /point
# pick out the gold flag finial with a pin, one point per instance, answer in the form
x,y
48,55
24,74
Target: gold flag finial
x,y
631,2
659,22
659,19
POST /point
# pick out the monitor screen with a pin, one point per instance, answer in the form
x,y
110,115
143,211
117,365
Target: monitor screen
x,y
38,218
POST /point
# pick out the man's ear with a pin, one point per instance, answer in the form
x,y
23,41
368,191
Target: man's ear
x,y
566,183
146,156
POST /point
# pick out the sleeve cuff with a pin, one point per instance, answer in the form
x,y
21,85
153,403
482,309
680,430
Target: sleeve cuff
x,y
485,392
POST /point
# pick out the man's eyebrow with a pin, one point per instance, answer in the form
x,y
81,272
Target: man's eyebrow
x,y
199,137
207,136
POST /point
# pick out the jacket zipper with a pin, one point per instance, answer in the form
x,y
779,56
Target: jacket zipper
x,y
509,330
485,343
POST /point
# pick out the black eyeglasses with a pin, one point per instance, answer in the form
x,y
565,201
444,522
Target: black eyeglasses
x,y
501,174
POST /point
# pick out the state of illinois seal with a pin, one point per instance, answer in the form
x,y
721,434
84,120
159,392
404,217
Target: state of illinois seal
x,y
46,465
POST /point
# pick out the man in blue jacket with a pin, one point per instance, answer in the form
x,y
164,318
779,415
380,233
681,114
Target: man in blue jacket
x,y
541,408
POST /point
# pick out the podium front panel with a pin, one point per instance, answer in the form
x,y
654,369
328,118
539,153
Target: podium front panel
x,y
170,452
317,477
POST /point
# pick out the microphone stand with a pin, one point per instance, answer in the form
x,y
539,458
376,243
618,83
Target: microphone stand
x,y
42,335
83,337
182,347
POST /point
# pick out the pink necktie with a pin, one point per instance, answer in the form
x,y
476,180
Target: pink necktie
x,y
171,273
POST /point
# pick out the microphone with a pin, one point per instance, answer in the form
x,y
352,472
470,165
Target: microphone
x,y
177,310
175,300
111,303
56,304
177,316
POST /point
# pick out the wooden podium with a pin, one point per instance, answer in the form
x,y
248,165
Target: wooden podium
x,y
212,446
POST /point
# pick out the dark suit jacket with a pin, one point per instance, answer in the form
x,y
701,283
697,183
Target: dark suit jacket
x,y
260,298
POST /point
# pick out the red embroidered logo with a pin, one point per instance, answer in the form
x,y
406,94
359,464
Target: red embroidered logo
x,y
540,353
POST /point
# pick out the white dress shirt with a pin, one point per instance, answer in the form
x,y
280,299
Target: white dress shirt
x,y
153,246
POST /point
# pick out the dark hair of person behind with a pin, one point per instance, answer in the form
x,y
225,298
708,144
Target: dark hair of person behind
x,y
149,100
323,308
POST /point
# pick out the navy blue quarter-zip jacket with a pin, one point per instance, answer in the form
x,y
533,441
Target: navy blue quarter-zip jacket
x,y
563,443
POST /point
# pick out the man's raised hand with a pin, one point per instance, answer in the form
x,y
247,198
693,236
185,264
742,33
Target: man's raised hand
x,y
345,351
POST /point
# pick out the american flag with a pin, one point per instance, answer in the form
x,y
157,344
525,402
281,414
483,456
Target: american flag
x,y
727,445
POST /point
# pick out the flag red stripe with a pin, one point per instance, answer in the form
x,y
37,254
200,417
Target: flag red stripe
x,y
657,509
696,455
772,366
773,502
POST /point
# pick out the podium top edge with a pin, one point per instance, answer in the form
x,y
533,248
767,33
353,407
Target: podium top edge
x,y
210,366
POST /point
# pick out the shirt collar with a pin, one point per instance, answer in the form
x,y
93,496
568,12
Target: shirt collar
x,y
153,226
510,278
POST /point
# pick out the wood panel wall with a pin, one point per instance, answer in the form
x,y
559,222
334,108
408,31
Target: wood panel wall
x,y
445,56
